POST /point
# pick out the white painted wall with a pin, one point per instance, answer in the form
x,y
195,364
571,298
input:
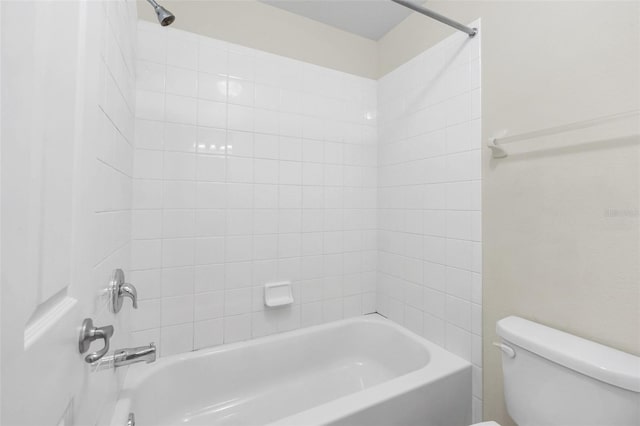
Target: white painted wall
x,y
250,168
67,135
257,25
561,230
429,180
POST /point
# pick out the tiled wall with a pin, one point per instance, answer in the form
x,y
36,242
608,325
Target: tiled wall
x,y
429,259
249,168
252,168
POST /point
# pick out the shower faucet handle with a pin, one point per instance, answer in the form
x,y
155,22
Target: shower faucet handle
x,y
119,289
89,333
129,290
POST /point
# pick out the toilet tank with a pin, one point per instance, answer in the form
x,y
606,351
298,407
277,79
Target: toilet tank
x,y
555,378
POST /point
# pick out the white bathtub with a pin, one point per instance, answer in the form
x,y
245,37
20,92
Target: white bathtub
x,y
360,371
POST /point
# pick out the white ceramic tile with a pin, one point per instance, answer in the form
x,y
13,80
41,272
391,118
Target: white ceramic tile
x,y
177,310
476,288
151,47
237,328
458,341
212,56
240,118
180,109
150,105
289,197
240,92
179,137
241,66
178,194
177,281
211,141
208,333
182,50
459,253
264,323
265,246
265,171
413,320
176,339
289,245
208,278
212,114
265,221
179,166
266,121
266,146
209,250
177,252
311,314
458,195
180,81
476,350
240,144
240,195
239,222
146,224
477,381
212,87
267,97
477,410
148,134
459,225
147,315
150,76
144,337
147,282
209,305
289,221
211,168
458,282
458,312
238,248
240,169
211,195
434,329
238,275
146,254
434,302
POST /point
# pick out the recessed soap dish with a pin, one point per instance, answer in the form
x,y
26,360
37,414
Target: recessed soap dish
x,y
278,294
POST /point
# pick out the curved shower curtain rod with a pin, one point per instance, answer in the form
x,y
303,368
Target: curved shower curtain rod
x,y
431,14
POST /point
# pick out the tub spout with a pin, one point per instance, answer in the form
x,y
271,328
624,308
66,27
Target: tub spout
x,y
129,356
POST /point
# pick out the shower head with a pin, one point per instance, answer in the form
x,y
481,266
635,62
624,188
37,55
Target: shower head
x,y
164,16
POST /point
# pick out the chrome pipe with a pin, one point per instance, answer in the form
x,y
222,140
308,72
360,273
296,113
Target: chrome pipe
x,y
435,15
130,356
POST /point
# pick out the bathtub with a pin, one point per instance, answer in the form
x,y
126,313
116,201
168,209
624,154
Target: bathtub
x,y
360,371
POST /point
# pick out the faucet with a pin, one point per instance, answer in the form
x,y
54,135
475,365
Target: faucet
x,y
129,356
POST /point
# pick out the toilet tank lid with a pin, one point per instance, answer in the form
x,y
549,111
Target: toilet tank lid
x,y
584,356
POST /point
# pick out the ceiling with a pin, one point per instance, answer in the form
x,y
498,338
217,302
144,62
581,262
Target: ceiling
x,y
368,18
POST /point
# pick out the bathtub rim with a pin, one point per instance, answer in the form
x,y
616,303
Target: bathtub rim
x,y
441,364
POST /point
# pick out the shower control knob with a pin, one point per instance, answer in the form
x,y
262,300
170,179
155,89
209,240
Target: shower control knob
x,y
119,289
90,333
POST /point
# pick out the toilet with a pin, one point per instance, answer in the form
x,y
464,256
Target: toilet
x,y
553,378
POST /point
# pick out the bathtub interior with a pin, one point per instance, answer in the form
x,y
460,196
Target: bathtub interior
x,y
268,379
